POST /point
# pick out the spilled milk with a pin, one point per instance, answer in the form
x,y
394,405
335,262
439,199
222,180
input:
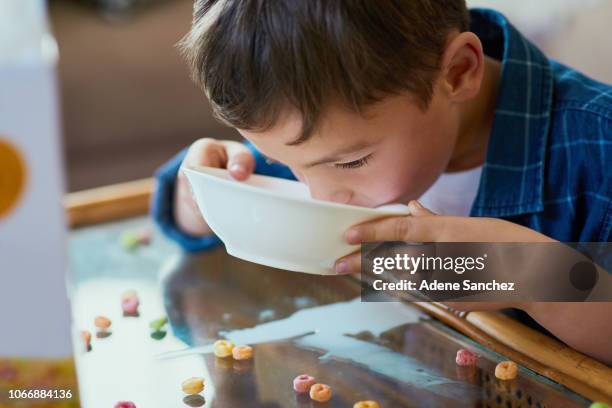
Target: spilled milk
x,y
331,329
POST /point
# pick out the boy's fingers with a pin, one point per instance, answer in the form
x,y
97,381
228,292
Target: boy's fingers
x,y
416,227
214,156
406,228
203,152
206,152
241,162
349,264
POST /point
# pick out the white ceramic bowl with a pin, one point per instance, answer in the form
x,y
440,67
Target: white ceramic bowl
x,y
275,222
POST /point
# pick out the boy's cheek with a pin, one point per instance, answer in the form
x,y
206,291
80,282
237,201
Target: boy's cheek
x,y
393,184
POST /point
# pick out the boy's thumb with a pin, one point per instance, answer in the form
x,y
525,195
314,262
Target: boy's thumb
x,y
416,209
240,161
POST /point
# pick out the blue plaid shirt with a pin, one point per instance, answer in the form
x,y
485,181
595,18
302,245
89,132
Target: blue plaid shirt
x,y
549,159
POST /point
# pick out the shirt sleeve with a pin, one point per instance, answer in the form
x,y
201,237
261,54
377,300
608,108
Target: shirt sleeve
x,y
162,202
162,209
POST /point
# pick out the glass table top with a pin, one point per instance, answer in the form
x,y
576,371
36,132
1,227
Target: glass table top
x,y
389,352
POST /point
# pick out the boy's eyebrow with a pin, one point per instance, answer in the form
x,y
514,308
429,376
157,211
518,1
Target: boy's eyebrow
x,y
337,155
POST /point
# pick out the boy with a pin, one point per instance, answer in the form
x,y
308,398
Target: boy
x,y
371,102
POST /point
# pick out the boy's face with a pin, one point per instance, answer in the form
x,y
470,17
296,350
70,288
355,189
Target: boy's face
x,y
392,154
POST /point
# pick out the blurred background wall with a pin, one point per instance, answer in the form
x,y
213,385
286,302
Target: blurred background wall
x,y
128,102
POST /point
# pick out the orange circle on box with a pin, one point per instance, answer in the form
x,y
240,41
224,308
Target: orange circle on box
x,y
12,177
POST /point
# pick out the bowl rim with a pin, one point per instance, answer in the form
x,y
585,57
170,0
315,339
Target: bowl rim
x,y
200,170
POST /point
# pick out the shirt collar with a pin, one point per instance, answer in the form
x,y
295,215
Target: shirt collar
x,y
512,175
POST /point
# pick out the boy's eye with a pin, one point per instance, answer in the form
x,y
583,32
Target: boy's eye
x,y
355,163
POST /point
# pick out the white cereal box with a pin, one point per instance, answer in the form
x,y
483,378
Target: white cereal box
x,y
34,311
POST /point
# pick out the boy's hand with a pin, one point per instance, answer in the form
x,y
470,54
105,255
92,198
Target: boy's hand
x,y
224,154
425,226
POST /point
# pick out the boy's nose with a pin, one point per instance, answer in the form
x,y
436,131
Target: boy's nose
x,y
326,191
337,196
343,196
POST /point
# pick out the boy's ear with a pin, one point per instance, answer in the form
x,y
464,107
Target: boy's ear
x,y
462,67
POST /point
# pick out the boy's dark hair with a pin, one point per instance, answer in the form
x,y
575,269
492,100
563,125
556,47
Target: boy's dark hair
x,y
255,58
